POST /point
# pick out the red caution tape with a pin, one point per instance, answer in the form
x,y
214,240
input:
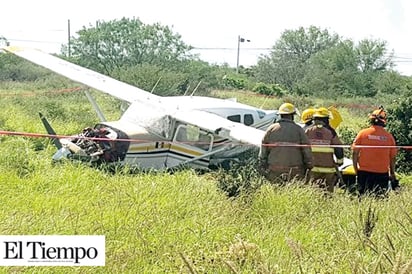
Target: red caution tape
x,y
280,144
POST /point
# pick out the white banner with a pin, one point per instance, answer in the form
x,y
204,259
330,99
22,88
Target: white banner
x,y
52,250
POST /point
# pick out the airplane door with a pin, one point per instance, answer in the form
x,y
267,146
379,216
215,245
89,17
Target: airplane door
x,y
190,142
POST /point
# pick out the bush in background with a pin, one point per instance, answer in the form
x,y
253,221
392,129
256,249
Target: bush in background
x,y
400,125
267,89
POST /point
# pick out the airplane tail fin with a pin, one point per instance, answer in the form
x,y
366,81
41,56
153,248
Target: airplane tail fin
x,y
335,118
50,131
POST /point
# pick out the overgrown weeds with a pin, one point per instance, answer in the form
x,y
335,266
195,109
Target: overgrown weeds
x,y
242,178
180,222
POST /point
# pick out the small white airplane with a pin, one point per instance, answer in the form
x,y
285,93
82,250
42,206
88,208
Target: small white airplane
x,y
160,132
157,132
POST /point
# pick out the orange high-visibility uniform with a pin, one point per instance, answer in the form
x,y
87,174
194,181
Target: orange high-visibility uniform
x,y
375,159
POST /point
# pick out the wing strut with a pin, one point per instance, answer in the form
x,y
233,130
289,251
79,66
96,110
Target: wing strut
x,y
193,92
202,156
95,106
156,84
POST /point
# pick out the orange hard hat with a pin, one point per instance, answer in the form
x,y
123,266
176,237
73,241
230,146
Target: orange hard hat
x,y
378,115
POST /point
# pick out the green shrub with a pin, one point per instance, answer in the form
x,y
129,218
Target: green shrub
x,y
266,89
347,135
400,125
240,177
234,82
277,90
13,68
263,88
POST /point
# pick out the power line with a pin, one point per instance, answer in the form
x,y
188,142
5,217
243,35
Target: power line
x,y
33,41
269,49
403,59
217,48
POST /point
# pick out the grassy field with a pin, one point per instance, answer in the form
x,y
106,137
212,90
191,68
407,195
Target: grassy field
x,y
183,222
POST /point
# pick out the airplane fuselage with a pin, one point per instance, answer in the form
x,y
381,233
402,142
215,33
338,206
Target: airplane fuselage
x,y
226,108
182,145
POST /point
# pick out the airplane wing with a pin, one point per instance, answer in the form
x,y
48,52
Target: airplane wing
x,y
140,98
214,123
82,75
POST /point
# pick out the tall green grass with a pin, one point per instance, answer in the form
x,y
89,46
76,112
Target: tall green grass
x,y
184,222
156,223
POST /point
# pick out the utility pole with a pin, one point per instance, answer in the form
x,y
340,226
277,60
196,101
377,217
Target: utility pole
x,y
239,40
238,49
68,38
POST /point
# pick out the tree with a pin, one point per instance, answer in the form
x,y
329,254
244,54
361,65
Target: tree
x,y
286,63
312,61
373,56
331,72
127,42
391,82
140,55
187,77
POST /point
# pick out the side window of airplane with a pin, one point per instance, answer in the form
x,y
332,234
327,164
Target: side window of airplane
x,y
261,114
193,136
248,119
234,118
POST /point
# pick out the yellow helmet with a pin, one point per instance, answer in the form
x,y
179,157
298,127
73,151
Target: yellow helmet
x,y
321,113
307,115
287,108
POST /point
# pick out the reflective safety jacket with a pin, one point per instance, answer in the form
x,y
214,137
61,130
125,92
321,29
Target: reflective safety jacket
x,y
280,148
319,134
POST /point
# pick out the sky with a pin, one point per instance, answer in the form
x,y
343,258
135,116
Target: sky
x,y
213,26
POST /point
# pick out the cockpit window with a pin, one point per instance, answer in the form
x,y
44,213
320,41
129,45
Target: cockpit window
x,y
261,114
248,119
234,118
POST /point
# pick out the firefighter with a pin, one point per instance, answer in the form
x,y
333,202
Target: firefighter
x,y
374,167
282,155
320,133
307,117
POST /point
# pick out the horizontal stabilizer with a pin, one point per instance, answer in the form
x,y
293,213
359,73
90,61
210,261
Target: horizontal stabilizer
x,y
50,131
